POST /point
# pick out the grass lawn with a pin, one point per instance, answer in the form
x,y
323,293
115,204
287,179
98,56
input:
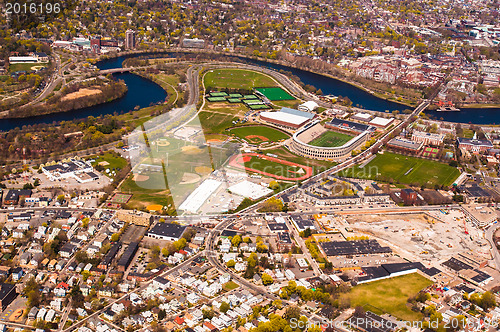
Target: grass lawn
x,y
287,103
109,160
318,166
467,133
226,108
331,139
389,295
275,168
173,80
142,197
215,123
271,134
230,285
405,169
236,79
25,66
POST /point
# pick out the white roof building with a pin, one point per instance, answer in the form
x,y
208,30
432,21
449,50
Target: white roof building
x,y
196,199
250,190
308,106
381,122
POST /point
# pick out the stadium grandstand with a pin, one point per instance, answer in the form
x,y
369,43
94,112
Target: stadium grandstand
x,y
348,126
335,148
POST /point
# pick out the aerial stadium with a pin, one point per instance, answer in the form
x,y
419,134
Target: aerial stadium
x,y
334,141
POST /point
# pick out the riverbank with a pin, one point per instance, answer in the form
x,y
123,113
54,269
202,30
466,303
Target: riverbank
x,y
466,106
75,98
256,60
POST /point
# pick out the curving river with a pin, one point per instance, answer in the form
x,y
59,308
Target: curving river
x,y
142,92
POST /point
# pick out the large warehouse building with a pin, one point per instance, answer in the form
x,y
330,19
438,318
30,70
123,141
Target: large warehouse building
x,y
287,118
301,139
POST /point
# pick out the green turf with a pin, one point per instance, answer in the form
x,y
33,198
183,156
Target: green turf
x,y
230,285
24,66
120,198
275,94
115,162
272,134
273,167
318,166
389,295
389,167
258,107
236,79
330,139
215,123
216,99
218,94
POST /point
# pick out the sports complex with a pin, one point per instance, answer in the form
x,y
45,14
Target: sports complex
x,y
334,141
271,166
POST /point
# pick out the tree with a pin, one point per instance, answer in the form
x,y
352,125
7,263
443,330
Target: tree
x,y
180,244
236,240
85,222
278,304
252,260
231,263
81,256
32,292
162,314
224,307
85,275
487,301
115,237
208,313
267,279
292,312
60,198
274,185
77,297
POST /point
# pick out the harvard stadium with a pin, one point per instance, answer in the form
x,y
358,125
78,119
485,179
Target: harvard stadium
x,y
320,142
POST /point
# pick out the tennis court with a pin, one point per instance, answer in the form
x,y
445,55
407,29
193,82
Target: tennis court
x,y
430,152
120,198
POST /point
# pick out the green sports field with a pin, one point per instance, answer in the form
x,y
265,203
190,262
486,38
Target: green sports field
x,y
389,295
274,168
274,94
236,79
272,135
405,169
330,139
215,123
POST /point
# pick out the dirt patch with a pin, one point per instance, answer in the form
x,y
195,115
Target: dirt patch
x,y
81,93
140,178
189,178
162,142
103,163
203,170
258,137
191,149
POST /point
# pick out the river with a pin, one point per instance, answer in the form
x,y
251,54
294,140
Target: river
x,y
142,92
